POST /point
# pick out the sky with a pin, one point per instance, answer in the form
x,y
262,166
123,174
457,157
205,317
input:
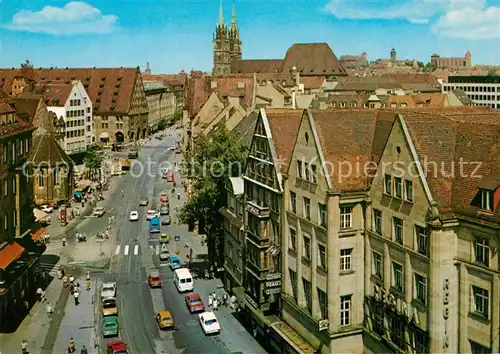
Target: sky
x,y
175,35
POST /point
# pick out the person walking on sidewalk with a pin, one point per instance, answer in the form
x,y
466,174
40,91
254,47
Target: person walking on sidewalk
x,y
76,294
84,350
50,310
24,347
71,345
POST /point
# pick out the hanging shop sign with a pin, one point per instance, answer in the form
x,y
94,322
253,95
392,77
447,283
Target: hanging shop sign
x,y
446,311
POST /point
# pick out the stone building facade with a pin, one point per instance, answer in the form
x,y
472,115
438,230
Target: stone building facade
x,y
227,44
161,103
452,63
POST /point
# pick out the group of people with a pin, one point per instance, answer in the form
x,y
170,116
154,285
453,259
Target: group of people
x,y
214,301
72,347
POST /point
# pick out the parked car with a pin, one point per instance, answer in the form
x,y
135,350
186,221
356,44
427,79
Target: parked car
x,y
134,216
109,307
166,220
151,214
47,209
164,210
143,201
195,303
117,347
164,237
133,154
99,211
108,290
174,262
154,279
209,323
164,254
110,326
164,320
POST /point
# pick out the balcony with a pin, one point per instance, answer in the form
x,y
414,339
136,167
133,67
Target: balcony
x,y
258,209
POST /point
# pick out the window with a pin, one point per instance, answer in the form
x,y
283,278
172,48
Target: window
x,y
322,256
6,187
482,251
14,186
299,168
14,218
307,208
314,173
345,310
421,340
377,221
293,282
397,329
293,239
323,304
307,246
26,145
388,184
421,288
397,276
55,174
323,214
476,348
481,301
486,200
378,265
378,325
398,187
293,202
345,217
307,171
345,259
398,230
307,293
409,190
422,240
5,222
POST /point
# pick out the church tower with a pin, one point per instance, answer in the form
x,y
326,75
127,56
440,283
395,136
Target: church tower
x,y
222,53
234,38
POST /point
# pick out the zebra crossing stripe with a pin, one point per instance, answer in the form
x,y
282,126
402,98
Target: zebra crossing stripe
x,y
136,250
157,250
117,252
126,250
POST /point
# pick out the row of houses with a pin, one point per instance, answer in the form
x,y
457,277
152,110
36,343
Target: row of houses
x,y
355,230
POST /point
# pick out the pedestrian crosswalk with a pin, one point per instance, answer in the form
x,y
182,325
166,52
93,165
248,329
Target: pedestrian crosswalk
x,y
54,245
49,268
127,250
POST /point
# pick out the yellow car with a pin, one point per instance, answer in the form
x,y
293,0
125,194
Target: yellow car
x,y
109,307
164,237
164,319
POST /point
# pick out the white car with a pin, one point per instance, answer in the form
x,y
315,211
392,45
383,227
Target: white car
x,y
108,290
99,212
209,323
47,209
134,216
151,214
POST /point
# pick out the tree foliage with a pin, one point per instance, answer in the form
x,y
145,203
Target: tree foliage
x,y
93,161
218,158
162,124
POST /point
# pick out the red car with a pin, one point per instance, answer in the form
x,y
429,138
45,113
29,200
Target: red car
x,y
117,347
194,303
154,279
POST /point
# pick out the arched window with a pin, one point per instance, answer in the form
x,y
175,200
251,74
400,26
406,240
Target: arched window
x,y
41,175
55,175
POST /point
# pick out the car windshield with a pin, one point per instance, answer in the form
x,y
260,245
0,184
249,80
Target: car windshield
x,y
166,319
155,278
109,304
110,325
210,322
195,301
108,289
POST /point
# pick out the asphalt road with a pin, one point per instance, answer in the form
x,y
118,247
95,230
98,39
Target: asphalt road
x,y
135,257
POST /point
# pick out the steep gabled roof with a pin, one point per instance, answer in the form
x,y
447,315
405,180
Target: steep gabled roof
x,y
56,94
257,66
18,126
313,59
110,89
284,125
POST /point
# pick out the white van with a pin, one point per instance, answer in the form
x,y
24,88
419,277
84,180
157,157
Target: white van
x,y
183,280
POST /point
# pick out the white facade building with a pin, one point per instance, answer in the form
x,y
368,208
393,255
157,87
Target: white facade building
x,y
71,102
482,90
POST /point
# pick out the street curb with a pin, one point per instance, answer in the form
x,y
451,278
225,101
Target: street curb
x,y
86,212
96,265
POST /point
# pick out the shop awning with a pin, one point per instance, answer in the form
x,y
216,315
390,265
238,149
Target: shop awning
x,y
292,338
39,214
9,254
38,234
82,185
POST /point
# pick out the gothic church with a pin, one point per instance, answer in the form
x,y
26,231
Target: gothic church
x,y
227,44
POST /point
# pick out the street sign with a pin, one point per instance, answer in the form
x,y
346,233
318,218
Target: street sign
x,y
273,284
323,325
272,291
177,238
99,240
273,276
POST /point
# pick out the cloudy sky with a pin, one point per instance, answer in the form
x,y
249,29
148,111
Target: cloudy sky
x,y
177,34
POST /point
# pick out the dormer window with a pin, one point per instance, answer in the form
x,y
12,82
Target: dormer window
x,y
486,199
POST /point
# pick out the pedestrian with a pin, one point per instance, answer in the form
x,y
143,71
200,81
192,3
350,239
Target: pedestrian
x,y
24,347
39,294
216,304
72,288
71,279
87,275
65,281
210,299
87,284
64,241
71,345
233,302
62,271
84,350
76,295
50,310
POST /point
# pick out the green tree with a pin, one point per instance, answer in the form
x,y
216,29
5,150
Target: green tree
x,y
93,161
163,124
218,157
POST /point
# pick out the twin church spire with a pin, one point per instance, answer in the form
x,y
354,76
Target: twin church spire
x,y
227,43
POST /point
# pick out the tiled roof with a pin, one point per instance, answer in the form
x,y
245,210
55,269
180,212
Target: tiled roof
x,y
199,90
312,82
167,79
462,140
389,81
257,66
105,84
284,79
20,126
56,94
350,137
46,150
245,128
284,124
312,59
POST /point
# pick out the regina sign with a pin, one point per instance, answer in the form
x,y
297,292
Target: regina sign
x,y
395,304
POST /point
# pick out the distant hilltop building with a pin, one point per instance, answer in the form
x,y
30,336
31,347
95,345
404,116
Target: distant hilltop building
x,y
451,63
354,61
